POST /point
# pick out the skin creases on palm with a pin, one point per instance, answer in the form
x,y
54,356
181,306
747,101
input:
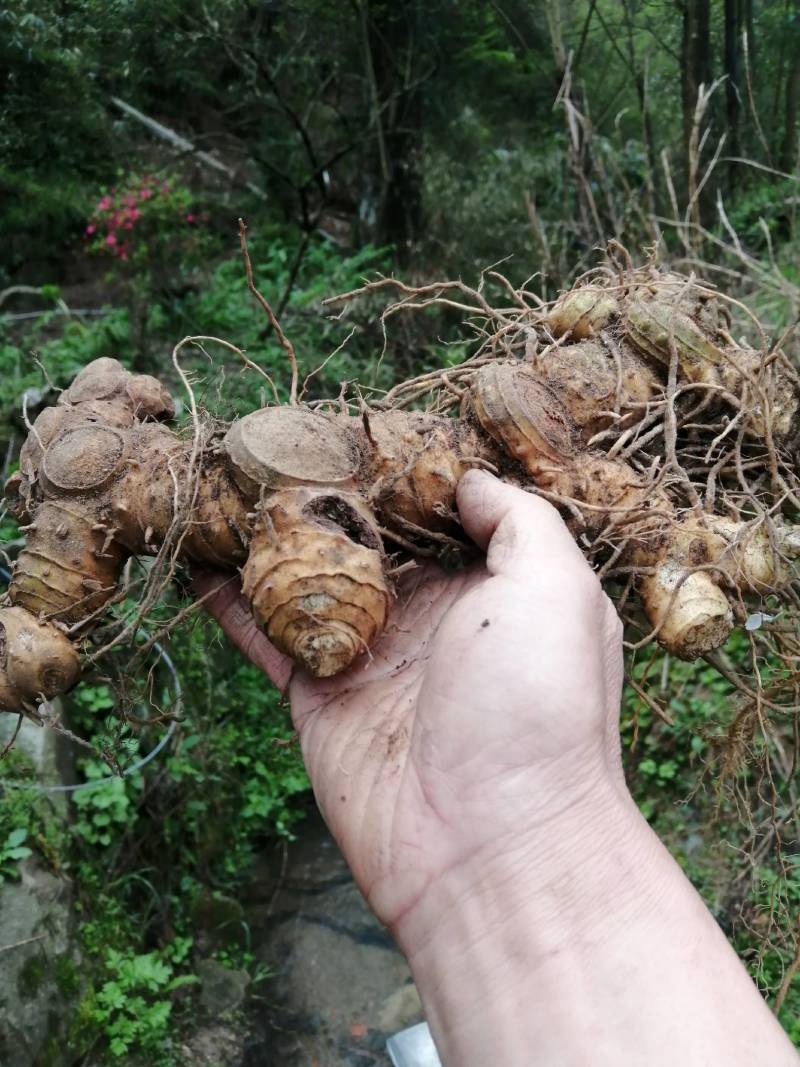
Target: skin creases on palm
x,y
478,703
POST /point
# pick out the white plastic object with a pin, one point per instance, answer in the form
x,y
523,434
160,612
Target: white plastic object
x,y
413,1048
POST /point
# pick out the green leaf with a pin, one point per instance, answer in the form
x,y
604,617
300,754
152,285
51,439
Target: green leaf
x,y
118,1046
16,837
19,853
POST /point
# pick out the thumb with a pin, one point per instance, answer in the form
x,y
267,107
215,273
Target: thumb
x,y
521,533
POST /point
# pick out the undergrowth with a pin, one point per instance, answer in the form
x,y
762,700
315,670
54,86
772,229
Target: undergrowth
x,y
691,796
141,851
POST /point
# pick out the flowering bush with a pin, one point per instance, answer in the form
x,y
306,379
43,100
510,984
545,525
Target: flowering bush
x,y
146,220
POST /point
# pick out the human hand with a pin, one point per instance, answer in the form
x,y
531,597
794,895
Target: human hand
x,y
469,768
484,719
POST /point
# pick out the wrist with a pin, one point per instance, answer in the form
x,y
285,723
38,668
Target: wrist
x,y
540,864
588,946
529,908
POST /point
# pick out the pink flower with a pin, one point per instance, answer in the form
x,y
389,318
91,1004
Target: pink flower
x,y
91,228
127,226
111,240
134,214
104,204
191,218
145,194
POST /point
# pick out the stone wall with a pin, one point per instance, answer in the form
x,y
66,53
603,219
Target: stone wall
x,y
39,964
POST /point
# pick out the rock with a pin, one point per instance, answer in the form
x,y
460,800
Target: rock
x,y
40,978
39,970
338,985
51,754
217,1045
218,922
400,1010
43,747
221,989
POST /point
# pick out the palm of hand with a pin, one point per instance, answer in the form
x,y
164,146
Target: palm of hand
x,y
477,715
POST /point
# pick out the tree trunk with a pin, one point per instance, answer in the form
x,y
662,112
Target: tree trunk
x,y
789,148
555,29
752,129
748,22
639,74
703,41
732,90
695,60
393,42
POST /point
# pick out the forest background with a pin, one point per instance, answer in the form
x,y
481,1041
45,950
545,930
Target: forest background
x,y
429,140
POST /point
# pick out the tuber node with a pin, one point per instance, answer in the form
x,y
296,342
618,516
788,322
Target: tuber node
x,y
290,446
36,660
414,463
582,313
315,578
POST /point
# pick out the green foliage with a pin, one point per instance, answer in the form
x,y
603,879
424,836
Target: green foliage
x,y
133,1005
769,967
765,215
143,847
679,779
94,698
12,850
224,308
62,357
236,764
28,821
54,133
103,812
670,756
